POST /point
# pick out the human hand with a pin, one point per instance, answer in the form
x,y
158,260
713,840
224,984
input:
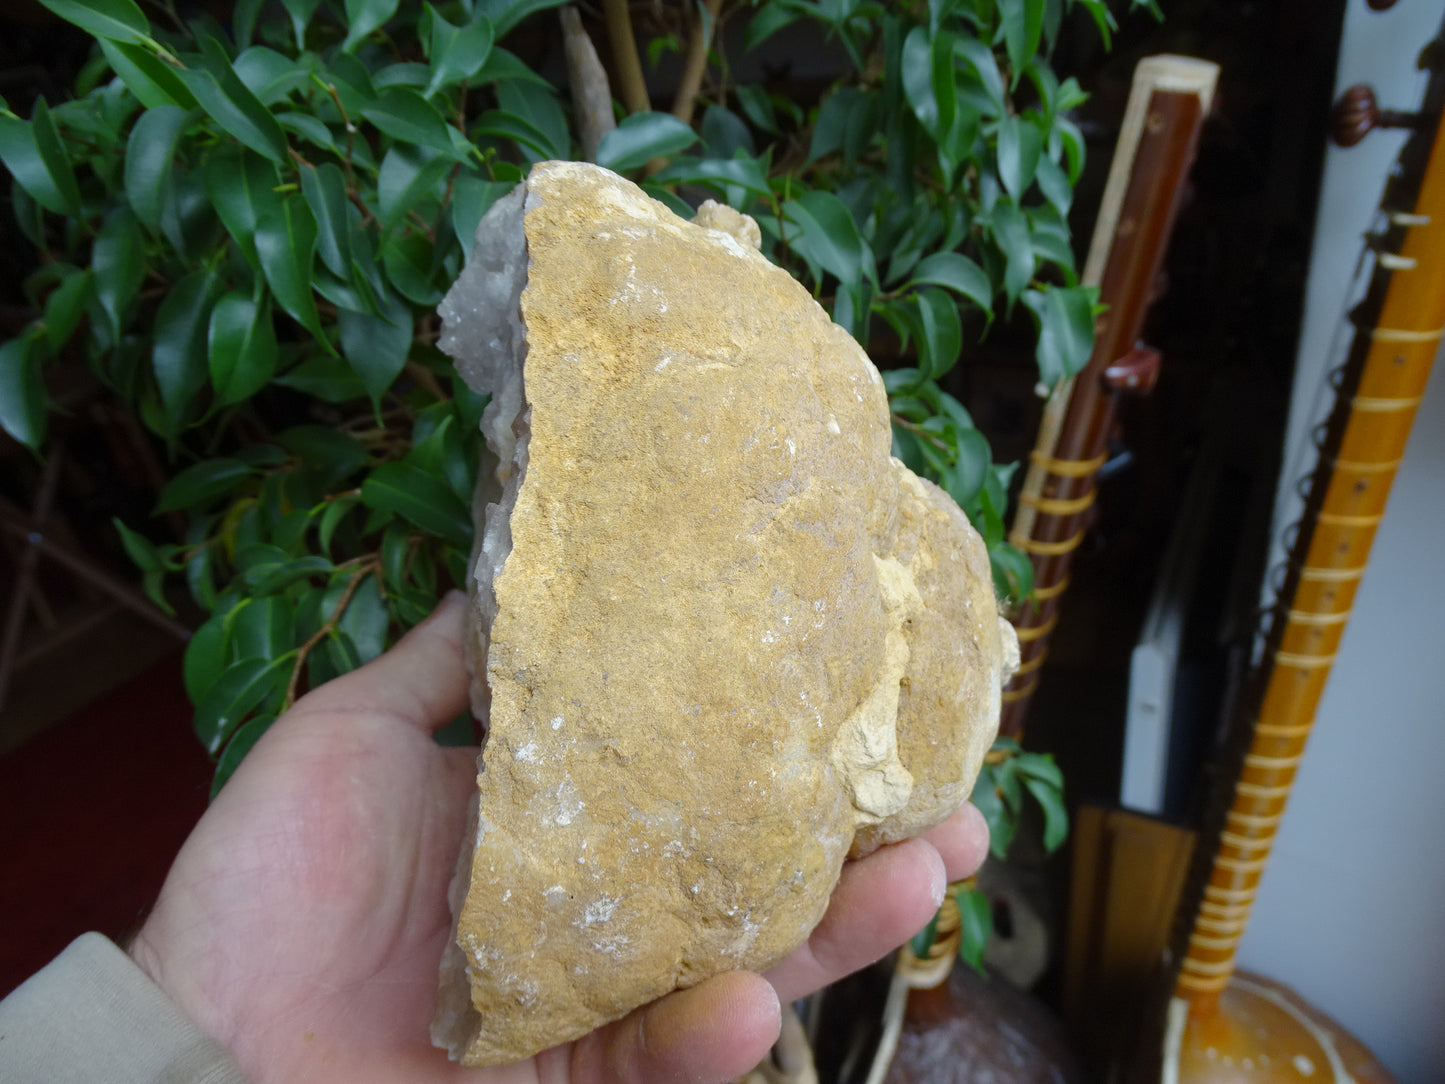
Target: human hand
x,y
303,920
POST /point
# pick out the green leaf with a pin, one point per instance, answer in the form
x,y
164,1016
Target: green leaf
x,y
201,485
409,175
118,262
241,347
406,116
1072,141
506,14
827,235
237,748
408,263
757,107
421,499
271,578
114,20
457,52
395,546
1011,234
375,346
310,129
1019,145
270,76
975,914
244,21
724,133
230,103
1023,26
405,74
260,628
364,16
1054,184
365,620
241,186
1013,572
980,57
285,243
538,106
23,159
769,19
149,154
325,377
178,356
965,476
958,273
325,189
235,694
140,549
64,307
1066,330
471,197
150,79
940,335
498,124
53,156
332,454
737,179
1056,817
928,79
336,510
300,12
641,138
985,798
207,653
22,394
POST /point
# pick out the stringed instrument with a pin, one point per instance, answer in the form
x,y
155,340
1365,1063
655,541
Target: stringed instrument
x,y
1168,101
1224,1026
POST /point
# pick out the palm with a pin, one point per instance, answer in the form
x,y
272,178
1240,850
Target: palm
x,y
303,921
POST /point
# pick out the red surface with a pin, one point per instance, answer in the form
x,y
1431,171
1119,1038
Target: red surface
x,y
92,811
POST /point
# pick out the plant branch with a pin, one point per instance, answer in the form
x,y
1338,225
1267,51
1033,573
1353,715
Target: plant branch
x,y
370,567
633,87
695,66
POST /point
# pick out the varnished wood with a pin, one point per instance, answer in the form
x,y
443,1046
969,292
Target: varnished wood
x,y
1224,1026
1166,109
1262,1032
1365,442
1128,870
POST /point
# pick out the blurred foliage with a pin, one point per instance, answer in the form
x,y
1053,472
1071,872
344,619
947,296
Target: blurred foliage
x,y
244,231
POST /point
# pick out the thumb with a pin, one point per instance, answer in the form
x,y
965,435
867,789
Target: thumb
x,y
423,680
715,1031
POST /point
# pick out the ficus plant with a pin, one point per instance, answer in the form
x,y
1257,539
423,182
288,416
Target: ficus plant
x,y
244,231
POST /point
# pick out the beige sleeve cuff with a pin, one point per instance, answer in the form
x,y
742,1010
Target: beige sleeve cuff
x,y
93,1016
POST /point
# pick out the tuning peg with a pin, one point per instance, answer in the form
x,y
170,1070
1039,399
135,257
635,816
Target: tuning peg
x,y
1136,372
1357,113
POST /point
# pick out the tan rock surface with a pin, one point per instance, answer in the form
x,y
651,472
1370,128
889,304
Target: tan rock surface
x,y
731,640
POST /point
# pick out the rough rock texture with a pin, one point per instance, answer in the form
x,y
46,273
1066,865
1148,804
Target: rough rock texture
x,y
726,638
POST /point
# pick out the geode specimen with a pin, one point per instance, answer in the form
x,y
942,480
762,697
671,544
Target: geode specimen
x,y
721,638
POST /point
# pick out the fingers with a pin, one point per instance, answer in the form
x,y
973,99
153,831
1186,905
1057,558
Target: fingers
x,y
880,902
423,680
715,1031
962,841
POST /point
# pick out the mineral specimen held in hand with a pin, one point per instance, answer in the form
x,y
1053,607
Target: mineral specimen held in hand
x,y
722,638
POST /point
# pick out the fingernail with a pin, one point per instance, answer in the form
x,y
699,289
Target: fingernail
x,y
939,884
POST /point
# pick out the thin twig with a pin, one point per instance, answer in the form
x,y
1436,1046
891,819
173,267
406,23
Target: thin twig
x,y
371,566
